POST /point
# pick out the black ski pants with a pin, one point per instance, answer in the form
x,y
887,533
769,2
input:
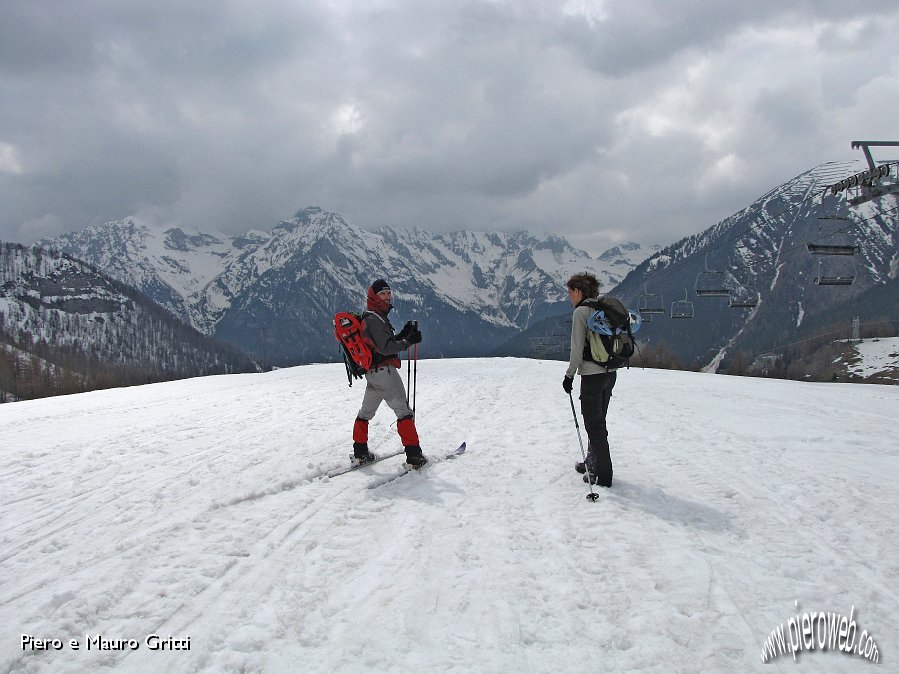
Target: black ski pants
x,y
596,392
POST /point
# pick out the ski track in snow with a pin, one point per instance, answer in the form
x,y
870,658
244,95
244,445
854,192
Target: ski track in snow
x,y
199,508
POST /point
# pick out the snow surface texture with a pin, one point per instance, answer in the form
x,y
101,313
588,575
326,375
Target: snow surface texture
x,y
877,356
196,509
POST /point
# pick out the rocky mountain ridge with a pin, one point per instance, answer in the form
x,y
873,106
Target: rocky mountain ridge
x,y
274,293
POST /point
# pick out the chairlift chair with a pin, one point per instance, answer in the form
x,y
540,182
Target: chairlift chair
x,y
835,272
650,303
743,297
682,308
539,349
825,280
828,235
825,249
710,283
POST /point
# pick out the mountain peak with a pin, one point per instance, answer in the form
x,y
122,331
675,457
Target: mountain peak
x,y
308,213
177,239
620,250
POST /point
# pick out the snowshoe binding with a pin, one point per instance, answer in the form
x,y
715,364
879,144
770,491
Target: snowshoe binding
x,y
361,455
414,458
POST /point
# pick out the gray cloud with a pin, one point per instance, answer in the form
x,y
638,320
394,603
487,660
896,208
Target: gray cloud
x,y
599,121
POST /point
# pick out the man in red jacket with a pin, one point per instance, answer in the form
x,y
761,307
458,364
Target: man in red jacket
x,y
383,381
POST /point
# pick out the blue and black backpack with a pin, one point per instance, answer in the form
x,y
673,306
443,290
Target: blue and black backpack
x,y
610,332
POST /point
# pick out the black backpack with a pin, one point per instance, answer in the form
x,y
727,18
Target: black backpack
x,y
610,339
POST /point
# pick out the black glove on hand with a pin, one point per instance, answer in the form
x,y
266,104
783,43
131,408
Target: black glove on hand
x,y
415,336
406,331
567,383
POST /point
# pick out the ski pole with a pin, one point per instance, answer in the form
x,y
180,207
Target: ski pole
x,y
592,496
414,370
408,373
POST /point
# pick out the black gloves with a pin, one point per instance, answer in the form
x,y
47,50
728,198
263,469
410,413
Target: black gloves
x,y
406,331
567,384
410,333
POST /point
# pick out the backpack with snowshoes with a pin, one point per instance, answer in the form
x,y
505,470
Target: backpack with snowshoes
x,y
610,333
355,346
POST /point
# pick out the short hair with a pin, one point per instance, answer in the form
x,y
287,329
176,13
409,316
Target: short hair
x,y
586,282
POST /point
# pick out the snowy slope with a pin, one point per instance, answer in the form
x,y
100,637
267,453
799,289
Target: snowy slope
x,y
876,358
195,509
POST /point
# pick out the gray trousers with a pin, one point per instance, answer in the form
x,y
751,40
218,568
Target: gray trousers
x,y
384,384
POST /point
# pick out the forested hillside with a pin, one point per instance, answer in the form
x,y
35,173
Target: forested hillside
x,y
66,327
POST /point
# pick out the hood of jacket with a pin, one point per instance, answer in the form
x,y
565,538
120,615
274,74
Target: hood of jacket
x,y
377,304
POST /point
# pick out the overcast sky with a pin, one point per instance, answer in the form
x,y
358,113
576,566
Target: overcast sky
x,y
600,121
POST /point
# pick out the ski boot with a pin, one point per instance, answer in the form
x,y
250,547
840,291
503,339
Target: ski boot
x,y
414,458
361,455
594,479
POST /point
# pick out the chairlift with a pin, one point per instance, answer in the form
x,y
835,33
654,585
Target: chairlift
x,y
710,283
835,272
829,235
874,183
682,308
539,347
743,297
650,303
871,192
825,280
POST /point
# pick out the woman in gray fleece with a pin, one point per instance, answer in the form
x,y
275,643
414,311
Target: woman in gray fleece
x,y
597,381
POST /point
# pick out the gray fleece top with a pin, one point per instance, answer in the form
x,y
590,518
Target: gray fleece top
x,y
379,330
576,362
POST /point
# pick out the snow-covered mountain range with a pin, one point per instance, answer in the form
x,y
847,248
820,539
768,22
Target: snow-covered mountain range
x,y
274,293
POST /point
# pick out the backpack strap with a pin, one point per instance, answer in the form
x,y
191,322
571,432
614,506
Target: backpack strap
x,y
377,358
587,352
374,313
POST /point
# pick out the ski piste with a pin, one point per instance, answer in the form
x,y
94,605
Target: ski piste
x,y
352,467
409,469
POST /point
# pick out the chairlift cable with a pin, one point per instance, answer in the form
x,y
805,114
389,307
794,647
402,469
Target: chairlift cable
x,y
774,349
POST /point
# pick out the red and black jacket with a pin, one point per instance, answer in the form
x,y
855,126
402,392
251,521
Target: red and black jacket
x,y
379,331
